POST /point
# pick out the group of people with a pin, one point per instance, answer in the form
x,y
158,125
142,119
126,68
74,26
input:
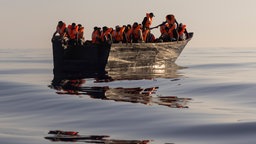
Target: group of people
x,y
170,30
73,34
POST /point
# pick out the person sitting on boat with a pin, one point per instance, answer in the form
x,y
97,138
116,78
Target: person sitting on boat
x,y
136,33
60,29
117,34
72,34
148,37
127,34
164,28
96,35
147,21
172,26
106,36
80,34
183,33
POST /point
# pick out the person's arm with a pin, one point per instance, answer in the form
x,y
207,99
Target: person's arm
x,y
176,22
144,21
163,23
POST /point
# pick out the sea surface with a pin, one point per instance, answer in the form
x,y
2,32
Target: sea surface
x,y
207,97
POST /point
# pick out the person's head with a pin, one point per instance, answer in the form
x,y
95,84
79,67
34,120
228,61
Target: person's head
x,y
73,25
169,17
97,29
105,28
60,23
118,28
135,24
151,15
79,25
129,26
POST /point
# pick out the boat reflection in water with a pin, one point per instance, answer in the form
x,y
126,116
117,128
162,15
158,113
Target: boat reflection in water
x,y
67,136
147,96
91,139
151,72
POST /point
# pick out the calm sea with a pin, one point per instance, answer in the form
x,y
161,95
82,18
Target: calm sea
x,y
208,97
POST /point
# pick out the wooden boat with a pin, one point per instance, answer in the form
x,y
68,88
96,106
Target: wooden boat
x,y
91,59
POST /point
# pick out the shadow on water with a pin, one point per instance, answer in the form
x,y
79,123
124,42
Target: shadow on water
x,y
67,85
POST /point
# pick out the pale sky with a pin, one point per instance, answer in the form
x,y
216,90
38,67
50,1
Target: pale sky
x,y
216,23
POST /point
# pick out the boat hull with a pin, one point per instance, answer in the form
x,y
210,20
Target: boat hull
x,y
93,59
145,54
87,59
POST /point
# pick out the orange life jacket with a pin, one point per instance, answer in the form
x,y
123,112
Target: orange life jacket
x,y
104,35
149,21
136,32
61,30
81,32
128,35
171,29
72,32
118,36
162,28
182,29
95,36
145,35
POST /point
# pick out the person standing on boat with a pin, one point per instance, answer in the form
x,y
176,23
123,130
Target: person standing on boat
x,y
80,34
96,34
147,21
73,34
60,29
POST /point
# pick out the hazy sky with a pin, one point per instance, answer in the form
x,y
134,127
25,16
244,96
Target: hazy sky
x,y
216,23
